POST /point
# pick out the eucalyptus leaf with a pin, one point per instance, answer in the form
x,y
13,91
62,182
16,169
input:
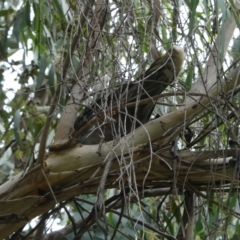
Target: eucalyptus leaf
x,y
16,122
41,74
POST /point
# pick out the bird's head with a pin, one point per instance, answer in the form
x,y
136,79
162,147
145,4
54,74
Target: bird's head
x,y
177,54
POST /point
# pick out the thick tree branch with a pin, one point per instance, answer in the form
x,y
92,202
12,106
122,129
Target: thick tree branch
x,y
142,135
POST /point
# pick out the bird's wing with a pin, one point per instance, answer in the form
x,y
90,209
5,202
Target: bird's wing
x,y
102,103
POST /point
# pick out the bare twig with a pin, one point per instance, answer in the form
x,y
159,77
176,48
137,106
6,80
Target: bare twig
x,y
69,114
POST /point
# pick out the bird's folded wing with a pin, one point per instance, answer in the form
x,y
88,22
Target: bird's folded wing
x,y
153,82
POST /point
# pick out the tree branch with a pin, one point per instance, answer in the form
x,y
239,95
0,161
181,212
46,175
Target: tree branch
x,y
151,131
210,74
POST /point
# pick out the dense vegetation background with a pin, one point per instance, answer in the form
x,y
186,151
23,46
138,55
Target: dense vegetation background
x,y
176,177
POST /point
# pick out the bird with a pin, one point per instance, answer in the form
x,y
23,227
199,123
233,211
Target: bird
x,y
114,114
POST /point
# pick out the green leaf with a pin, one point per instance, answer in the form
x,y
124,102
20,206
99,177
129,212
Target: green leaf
x,y
41,74
192,9
6,13
236,48
189,79
16,123
51,78
36,19
4,115
164,34
235,13
75,62
17,119
49,36
58,8
37,27
199,227
24,38
2,50
17,26
27,14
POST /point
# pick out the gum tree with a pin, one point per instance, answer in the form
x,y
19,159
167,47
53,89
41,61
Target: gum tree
x,y
173,177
